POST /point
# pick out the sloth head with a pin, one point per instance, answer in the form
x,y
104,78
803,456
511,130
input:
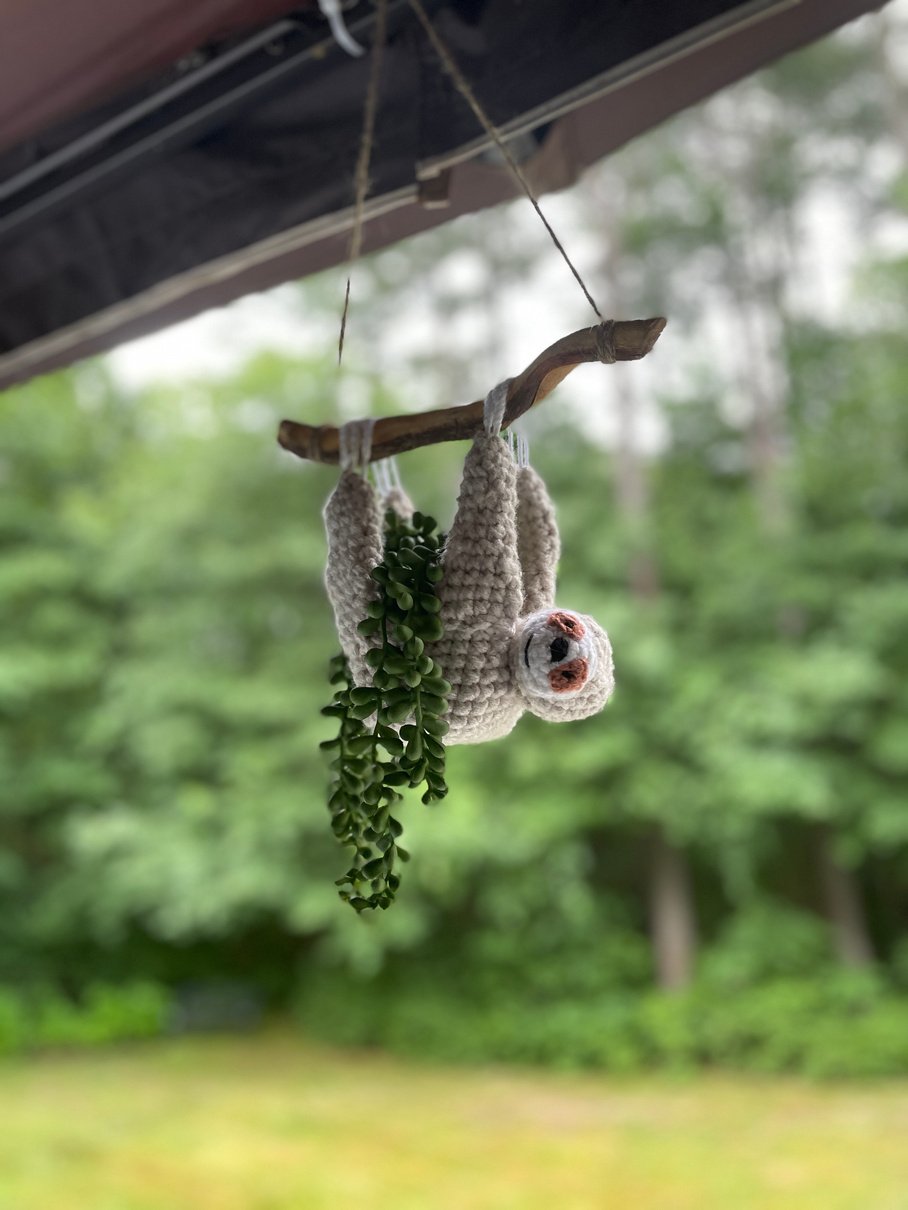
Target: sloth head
x,y
562,663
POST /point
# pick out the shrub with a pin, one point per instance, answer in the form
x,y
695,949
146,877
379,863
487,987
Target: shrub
x,y
44,1018
834,1024
764,941
13,1023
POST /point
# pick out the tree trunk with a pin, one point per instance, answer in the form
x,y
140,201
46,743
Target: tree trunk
x,y
843,905
672,923
671,904
757,294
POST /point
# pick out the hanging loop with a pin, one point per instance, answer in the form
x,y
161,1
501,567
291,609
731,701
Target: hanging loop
x,y
355,444
386,475
494,408
522,448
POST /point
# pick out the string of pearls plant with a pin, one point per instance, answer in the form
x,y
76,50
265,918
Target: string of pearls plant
x,y
391,733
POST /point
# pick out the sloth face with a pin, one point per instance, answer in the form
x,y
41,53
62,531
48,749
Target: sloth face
x,y
554,655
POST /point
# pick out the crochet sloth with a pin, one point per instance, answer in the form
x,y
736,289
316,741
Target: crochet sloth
x,y
506,647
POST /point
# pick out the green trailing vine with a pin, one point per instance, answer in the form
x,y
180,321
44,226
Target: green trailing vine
x,y
391,733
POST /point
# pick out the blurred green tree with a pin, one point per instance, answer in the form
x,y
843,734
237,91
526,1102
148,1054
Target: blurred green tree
x,y
165,634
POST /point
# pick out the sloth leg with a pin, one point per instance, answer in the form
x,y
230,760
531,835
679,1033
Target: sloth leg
x,y
538,541
353,525
482,581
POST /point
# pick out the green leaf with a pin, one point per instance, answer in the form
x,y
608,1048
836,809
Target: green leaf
x,y
414,747
435,726
437,685
431,629
363,695
433,746
399,711
360,745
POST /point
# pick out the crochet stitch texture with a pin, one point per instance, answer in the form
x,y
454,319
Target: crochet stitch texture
x,y
506,647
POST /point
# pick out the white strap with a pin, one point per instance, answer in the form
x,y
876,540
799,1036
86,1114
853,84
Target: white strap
x,y
386,475
494,408
354,444
521,448
381,476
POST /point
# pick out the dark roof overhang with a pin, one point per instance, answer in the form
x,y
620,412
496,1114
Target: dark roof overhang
x,y
158,158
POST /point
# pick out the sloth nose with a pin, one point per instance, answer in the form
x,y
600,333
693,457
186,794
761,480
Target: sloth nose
x,y
559,649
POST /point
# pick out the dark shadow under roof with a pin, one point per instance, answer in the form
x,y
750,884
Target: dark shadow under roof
x,y
157,158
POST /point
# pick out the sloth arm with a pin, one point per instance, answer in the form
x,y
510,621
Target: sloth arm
x,y
538,542
353,525
482,580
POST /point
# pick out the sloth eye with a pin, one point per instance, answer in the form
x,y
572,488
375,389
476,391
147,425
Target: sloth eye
x,y
569,677
567,623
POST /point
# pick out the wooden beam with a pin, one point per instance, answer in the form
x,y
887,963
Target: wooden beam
x,y
610,341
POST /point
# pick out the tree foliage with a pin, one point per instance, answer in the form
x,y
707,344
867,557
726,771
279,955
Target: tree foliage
x,y
164,636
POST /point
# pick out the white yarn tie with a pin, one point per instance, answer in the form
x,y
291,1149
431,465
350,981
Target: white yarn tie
x,y
521,447
494,408
354,444
382,477
387,476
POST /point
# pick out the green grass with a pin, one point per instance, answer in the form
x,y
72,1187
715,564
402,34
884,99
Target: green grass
x,y
272,1123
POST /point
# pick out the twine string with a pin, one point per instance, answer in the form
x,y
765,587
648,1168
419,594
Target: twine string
x,y
364,159
463,87
367,138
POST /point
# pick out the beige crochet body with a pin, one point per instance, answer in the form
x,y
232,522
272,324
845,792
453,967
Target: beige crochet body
x,y
506,648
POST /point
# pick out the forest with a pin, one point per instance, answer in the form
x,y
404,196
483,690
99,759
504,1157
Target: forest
x,y
715,870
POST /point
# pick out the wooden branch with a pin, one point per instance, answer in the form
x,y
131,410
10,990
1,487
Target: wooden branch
x,y
613,340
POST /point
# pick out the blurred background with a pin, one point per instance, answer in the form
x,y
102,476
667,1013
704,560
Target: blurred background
x,y
693,907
